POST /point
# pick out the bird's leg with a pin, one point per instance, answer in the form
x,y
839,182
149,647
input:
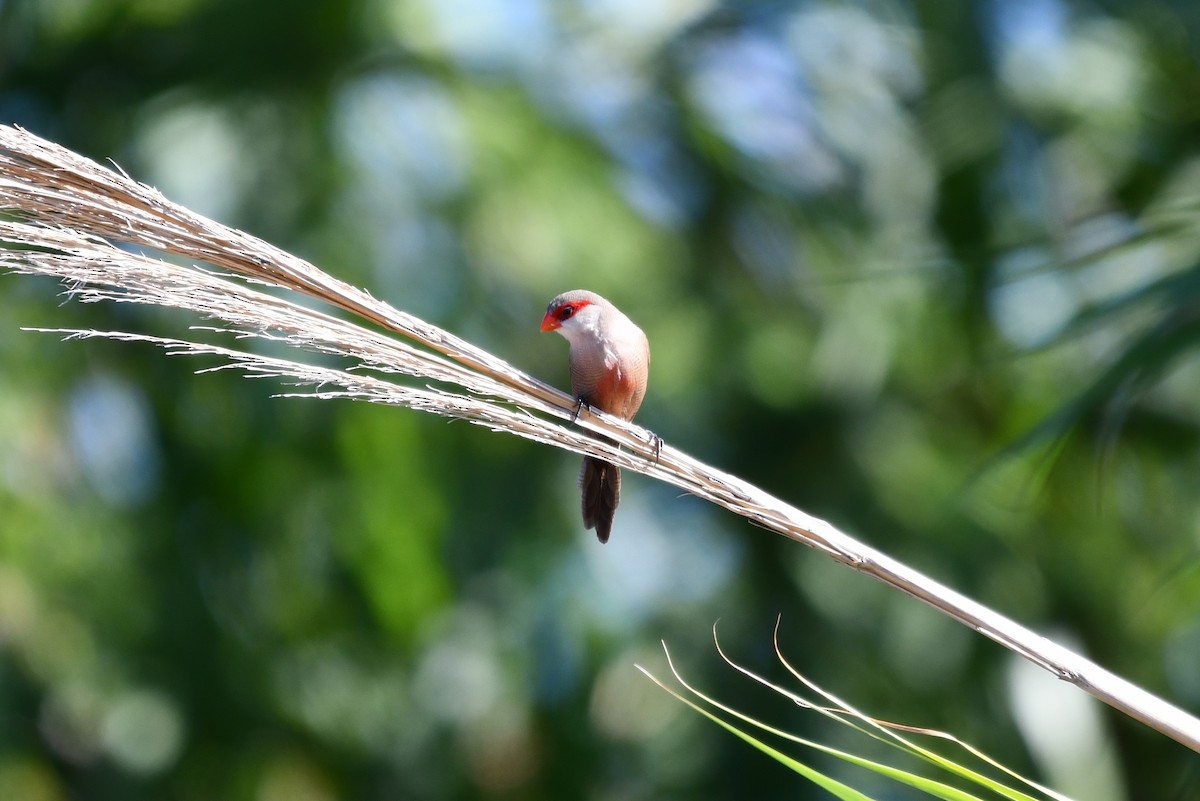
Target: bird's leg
x,y
578,408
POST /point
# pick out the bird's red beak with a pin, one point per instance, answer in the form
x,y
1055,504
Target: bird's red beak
x,y
550,322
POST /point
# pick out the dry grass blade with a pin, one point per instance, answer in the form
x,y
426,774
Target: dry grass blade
x,y
67,215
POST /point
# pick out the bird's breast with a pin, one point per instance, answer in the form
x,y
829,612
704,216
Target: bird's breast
x,y
607,382
614,389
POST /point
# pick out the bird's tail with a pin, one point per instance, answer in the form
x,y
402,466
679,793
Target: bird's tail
x,y
600,483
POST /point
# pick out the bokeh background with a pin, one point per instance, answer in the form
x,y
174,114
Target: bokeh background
x,y
926,269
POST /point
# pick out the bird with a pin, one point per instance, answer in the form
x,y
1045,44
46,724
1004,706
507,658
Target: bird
x,y
609,359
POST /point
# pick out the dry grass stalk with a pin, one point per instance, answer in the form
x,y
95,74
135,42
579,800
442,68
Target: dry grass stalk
x,y
67,215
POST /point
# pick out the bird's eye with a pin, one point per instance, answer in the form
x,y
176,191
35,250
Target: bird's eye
x,y
565,312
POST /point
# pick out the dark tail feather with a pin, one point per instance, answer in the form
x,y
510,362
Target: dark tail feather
x,y
600,483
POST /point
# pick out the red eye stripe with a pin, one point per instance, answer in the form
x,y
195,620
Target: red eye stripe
x,y
567,310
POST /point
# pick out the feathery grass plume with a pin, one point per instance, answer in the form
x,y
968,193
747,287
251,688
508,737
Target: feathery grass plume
x,y
88,226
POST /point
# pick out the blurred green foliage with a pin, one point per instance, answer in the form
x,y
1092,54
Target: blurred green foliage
x,y
926,269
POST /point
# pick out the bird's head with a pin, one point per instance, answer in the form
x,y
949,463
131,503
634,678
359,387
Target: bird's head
x,y
571,312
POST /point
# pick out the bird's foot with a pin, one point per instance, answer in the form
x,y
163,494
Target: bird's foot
x,y
656,442
579,404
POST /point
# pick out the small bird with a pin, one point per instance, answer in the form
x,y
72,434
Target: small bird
x,y
610,364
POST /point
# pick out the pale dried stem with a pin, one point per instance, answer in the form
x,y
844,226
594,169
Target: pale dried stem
x,y
69,214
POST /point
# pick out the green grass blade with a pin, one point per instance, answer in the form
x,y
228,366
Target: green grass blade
x,y
930,786
883,731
